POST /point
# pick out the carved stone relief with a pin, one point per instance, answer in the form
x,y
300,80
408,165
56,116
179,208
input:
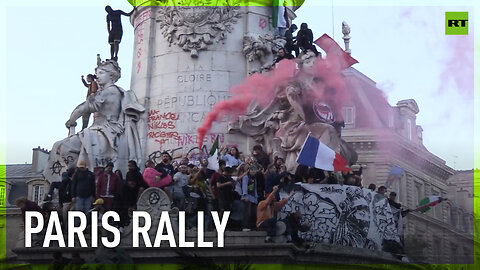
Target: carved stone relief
x,y
194,28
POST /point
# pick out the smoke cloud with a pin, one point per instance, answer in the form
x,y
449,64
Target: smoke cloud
x,y
329,87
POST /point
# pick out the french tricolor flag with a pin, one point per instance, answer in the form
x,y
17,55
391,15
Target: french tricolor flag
x,y
318,155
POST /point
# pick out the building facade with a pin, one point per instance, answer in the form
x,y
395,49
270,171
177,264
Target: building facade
x,y
384,136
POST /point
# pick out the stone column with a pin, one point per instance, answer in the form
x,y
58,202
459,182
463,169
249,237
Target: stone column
x,y
185,61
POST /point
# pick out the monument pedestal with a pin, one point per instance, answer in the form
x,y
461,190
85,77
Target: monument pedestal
x,y
185,61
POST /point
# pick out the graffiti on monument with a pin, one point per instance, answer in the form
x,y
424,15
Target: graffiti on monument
x,y
56,167
102,162
193,139
68,160
262,23
162,126
194,154
139,35
343,215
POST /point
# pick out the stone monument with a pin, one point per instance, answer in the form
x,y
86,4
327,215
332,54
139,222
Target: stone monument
x,y
185,61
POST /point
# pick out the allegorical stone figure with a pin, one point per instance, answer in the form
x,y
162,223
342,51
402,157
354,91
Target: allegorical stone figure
x,y
301,107
115,30
113,136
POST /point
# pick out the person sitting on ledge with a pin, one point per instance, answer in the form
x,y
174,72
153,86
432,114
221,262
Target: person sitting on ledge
x,y
266,220
157,178
305,39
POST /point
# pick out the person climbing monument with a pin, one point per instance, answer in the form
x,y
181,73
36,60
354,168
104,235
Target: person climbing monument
x,y
92,87
115,30
305,39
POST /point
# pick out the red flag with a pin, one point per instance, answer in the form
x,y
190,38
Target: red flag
x,y
333,49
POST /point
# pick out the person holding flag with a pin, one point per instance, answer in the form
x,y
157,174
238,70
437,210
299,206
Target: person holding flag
x,y
213,164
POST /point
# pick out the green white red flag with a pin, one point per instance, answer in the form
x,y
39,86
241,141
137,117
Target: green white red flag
x,y
428,202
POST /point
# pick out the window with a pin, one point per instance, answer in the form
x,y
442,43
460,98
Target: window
x,y
2,196
418,188
38,194
437,249
453,217
453,253
447,214
437,210
390,119
349,115
466,223
409,129
419,132
460,224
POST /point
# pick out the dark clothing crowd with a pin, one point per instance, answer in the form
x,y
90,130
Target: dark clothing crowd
x,y
301,43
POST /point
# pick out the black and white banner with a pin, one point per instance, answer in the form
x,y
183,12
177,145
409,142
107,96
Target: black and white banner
x,y
343,215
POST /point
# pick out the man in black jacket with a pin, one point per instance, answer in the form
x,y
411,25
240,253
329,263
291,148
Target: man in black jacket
x,y
290,45
64,188
83,188
135,175
260,156
166,165
305,39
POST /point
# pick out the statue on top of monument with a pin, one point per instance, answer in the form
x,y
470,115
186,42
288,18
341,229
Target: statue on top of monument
x,y
115,30
113,136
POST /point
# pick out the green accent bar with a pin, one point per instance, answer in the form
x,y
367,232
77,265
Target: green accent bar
x,y
258,3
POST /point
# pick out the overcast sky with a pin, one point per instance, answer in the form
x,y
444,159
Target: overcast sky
x,y
47,46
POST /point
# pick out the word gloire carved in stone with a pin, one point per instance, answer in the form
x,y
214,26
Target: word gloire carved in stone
x,y
141,225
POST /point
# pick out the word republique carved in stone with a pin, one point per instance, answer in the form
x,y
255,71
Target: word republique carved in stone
x,y
141,228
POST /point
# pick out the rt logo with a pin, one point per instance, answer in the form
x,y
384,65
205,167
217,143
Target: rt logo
x,y
456,23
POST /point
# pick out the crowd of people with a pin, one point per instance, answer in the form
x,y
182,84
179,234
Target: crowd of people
x,y
247,186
